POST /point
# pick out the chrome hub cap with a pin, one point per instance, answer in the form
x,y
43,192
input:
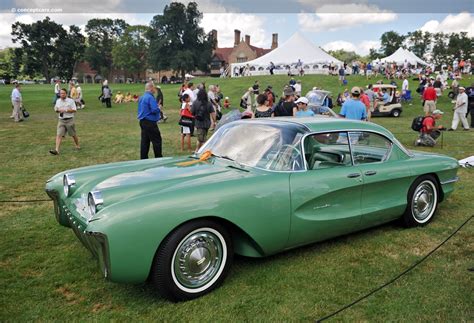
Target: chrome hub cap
x,y
198,259
424,201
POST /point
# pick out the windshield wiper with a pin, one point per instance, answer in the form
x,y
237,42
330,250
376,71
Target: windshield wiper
x,y
223,157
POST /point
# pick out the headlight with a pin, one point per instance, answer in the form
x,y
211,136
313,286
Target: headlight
x,y
68,182
94,199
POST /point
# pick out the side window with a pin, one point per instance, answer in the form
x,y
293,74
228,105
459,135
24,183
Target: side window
x,y
324,150
369,147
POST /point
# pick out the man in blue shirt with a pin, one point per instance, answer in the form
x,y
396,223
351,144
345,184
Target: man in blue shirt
x,y
353,108
149,115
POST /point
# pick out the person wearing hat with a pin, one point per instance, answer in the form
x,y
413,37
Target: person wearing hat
x,y
460,110
302,108
430,131
286,105
353,108
246,99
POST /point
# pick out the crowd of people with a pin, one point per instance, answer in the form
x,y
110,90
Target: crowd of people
x,y
202,107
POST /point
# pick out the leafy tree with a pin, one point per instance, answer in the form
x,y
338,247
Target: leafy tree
x,y
38,45
130,51
177,41
70,51
390,41
101,36
419,42
7,68
460,45
439,53
46,48
345,56
374,54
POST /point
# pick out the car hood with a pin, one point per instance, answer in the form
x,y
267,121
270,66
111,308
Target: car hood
x,y
165,176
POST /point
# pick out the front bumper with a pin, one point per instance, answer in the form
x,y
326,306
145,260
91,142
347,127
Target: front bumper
x,y
96,242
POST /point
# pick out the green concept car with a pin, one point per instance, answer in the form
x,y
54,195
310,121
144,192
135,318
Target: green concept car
x,y
257,187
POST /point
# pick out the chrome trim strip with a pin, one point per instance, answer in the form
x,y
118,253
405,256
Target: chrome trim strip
x,y
449,181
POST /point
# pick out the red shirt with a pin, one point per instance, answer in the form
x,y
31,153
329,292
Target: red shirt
x,y
365,99
428,121
429,94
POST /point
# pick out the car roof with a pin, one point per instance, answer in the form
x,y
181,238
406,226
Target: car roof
x,y
326,123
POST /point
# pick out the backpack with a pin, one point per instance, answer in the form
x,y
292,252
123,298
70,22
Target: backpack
x,y
242,104
417,123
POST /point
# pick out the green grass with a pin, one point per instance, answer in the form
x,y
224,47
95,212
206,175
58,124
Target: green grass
x,y
46,274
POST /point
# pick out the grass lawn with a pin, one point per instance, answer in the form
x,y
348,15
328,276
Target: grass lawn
x,y
46,274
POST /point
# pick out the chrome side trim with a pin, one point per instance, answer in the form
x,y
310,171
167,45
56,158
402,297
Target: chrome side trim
x,y
449,181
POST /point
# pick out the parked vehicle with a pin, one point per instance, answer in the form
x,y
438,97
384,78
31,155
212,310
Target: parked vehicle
x,y
178,221
393,108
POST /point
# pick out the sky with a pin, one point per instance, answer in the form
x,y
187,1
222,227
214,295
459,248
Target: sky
x,y
330,24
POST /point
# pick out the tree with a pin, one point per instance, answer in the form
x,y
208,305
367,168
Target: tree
x,y
46,48
439,53
344,56
177,41
130,51
419,42
70,51
7,68
38,44
460,45
390,41
374,54
101,36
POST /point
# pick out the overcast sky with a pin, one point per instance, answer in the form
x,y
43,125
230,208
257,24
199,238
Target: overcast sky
x,y
335,24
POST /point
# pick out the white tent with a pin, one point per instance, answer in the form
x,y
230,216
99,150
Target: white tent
x,y
401,55
314,59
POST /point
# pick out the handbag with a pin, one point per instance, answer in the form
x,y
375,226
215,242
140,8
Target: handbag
x,y
25,113
185,122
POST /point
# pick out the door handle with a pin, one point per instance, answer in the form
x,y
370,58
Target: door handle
x,y
370,172
353,175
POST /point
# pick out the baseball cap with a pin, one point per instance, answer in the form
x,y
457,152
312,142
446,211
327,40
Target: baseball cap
x,y
355,90
302,100
438,112
462,88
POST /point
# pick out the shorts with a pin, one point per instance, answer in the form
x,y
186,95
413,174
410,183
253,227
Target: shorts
x,y
201,134
66,126
429,106
369,72
341,77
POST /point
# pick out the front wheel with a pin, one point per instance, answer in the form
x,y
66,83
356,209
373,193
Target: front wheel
x,y
422,201
193,260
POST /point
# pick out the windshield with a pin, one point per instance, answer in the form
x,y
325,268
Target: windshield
x,y
267,145
316,97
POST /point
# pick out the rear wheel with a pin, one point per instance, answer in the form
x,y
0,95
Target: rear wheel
x,y
193,260
396,113
422,201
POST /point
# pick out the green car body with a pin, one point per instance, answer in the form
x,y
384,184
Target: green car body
x,y
265,211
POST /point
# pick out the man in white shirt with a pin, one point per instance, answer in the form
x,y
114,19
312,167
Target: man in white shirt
x,y
17,103
189,91
404,85
460,110
66,108
57,88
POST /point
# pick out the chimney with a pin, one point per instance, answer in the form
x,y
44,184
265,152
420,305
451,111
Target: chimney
x,y
247,39
214,38
274,41
236,37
